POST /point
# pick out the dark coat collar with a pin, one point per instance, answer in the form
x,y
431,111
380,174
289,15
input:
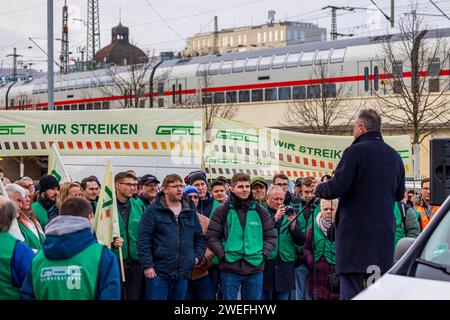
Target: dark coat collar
x,y
373,135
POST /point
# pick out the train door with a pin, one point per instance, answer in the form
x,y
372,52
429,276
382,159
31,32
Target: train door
x,y
369,73
176,88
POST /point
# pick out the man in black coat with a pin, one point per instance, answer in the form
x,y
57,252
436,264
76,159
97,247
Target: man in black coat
x,y
368,180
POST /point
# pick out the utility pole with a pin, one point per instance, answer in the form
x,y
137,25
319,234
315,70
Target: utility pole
x,y
93,32
15,56
64,57
216,36
50,71
334,34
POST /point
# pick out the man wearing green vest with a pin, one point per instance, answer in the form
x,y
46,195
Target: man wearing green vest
x,y
72,265
48,190
406,223
130,214
279,272
90,189
241,234
15,256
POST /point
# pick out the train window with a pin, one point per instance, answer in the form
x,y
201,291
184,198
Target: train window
x,y
329,90
36,89
338,55
366,79
201,71
57,86
214,68
376,78
292,60
180,93
251,64
299,93
271,94
67,107
238,66
278,61
257,95
226,67
174,91
284,93
59,108
89,106
307,58
264,63
231,97
322,57
397,69
106,106
219,97
160,89
207,98
81,107
74,107
79,84
244,96
313,91
86,83
97,106
434,67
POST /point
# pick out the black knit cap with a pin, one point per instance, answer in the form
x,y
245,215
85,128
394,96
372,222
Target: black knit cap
x,y
195,176
47,182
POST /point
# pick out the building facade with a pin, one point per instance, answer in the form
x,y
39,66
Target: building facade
x,y
270,35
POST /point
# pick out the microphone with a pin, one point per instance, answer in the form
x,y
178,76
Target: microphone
x,y
314,201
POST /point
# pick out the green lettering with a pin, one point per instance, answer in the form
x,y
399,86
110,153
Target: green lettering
x,y
113,129
326,153
92,129
317,152
74,128
302,149
101,129
83,128
133,129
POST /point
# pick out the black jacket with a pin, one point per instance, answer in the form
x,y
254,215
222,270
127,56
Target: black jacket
x,y
205,206
168,246
368,180
218,231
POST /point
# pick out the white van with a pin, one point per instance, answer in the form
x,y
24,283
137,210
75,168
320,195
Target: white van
x,y
423,271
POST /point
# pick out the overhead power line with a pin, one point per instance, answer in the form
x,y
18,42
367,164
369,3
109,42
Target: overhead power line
x,y
437,7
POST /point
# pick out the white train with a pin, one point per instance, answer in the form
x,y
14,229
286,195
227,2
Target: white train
x,y
275,74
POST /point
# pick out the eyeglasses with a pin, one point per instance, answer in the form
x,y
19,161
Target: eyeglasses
x,y
178,186
129,184
193,197
282,184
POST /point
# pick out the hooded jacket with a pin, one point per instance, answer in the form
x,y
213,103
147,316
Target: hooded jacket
x,y
67,236
167,244
218,231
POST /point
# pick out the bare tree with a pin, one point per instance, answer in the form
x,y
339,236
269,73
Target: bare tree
x,y
213,105
324,108
412,62
130,81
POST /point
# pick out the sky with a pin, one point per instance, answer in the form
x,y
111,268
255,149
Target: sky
x,y
164,25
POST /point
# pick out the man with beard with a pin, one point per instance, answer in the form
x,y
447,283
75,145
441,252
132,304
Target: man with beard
x,y
48,190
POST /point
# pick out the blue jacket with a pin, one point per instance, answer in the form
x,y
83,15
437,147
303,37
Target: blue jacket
x,y
368,180
69,244
21,263
167,246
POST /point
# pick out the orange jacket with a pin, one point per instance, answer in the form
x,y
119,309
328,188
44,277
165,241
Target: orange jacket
x,y
426,213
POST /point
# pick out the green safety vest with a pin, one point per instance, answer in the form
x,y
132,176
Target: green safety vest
x,y
244,244
301,218
215,260
129,236
7,246
40,213
284,245
71,279
31,239
399,227
323,246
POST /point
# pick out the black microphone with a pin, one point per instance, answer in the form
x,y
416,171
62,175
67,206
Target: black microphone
x,y
314,201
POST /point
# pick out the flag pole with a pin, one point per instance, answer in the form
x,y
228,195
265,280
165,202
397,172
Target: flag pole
x,y
122,269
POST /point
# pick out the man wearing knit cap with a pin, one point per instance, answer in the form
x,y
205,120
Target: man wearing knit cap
x,y
259,189
197,179
48,190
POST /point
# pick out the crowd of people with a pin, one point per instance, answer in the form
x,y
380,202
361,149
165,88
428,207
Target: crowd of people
x,y
192,239
182,239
